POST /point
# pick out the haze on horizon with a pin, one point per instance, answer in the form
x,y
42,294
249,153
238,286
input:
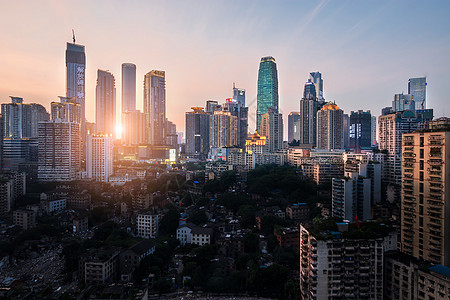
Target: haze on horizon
x,y
366,51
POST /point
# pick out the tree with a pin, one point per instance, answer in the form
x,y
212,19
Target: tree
x,y
251,243
169,223
198,217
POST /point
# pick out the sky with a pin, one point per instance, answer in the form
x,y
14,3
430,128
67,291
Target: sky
x,y
365,50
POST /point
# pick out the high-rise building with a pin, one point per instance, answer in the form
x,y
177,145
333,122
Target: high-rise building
x,y
272,128
403,102
128,87
241,113
360,131
67,110
223,129
171,134
75,79
373,133
239,95
105,103
343,260
59,150
390,130
155,106
425,196
267,88
212,106
316,78
99,157
330,127
20,120
346,122
308,115
417,87
134,128
294,126
197,132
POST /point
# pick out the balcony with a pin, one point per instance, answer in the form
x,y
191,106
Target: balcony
x,y
435,161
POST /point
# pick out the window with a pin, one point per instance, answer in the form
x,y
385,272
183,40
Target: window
x,y
421,153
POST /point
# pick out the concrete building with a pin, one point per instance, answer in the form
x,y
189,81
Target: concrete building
x,y
131,258
308,115
105,103
59,150
338,263
147,225
24,218
223,131
192,234
67,109
425,196
330,127
155,106
99,157
128,87
197,133
75,80
297,211
272,129
294,126
100,266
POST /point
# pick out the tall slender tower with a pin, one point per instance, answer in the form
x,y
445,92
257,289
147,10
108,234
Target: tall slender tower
x,y
417,87
316,78
308,114
105,103
267,88
128,87
155,106
75,79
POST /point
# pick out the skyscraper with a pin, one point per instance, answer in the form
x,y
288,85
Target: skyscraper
x,y
316,78
293,126
236,109
99,157
197,132
75,79
155,106
239,95
330,127
67,110
272,128
346,121
223,129
308,115
105,103
403,102
417,87
59,150
267,88
360,131
128,87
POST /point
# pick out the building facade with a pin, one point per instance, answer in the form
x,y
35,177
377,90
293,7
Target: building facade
x,y
272,129
155,106
197,132
308,115
330,127
417,87
128,87
99,157
360,130
425,196
267,88
105,103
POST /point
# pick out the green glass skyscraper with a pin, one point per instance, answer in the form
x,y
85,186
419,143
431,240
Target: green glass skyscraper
x,y
267,88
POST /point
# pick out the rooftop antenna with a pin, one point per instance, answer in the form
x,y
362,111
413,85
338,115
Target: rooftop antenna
x,y
73,36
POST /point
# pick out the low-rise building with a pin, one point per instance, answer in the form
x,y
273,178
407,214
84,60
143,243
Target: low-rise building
x,y
131,258
147,225
24,218
192,234
297,211
100,266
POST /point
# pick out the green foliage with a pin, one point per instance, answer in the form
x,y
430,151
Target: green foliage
x,y
169,223
269,222
247,214
99,215
198,217
234,201
251,243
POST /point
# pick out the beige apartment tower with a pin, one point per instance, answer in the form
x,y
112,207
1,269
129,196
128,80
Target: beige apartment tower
x,y
425,196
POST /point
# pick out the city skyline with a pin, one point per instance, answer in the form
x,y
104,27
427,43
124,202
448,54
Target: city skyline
x,y
370,39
